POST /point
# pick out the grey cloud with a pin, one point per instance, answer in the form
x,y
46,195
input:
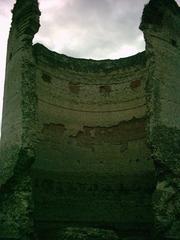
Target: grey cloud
x,y
105,25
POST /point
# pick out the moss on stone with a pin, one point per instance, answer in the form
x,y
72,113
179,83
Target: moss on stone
x,y
54,59
87,234
155,10
16,209
166,154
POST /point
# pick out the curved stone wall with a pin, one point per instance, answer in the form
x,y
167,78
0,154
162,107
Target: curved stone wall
x,y
85,142
93,149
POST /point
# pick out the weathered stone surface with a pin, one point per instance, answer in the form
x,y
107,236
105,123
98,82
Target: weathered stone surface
x,y
163,40
18,126
16,209
90,149
87,234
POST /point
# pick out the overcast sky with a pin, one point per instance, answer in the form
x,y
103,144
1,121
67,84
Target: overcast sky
x,y
96,29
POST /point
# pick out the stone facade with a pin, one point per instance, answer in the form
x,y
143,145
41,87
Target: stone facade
x,y
91,149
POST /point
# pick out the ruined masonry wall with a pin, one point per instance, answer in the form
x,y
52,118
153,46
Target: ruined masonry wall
x,y
92,116
82,140
162,34
18,125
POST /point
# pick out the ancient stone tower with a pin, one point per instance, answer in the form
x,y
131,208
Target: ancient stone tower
x,y
91,149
